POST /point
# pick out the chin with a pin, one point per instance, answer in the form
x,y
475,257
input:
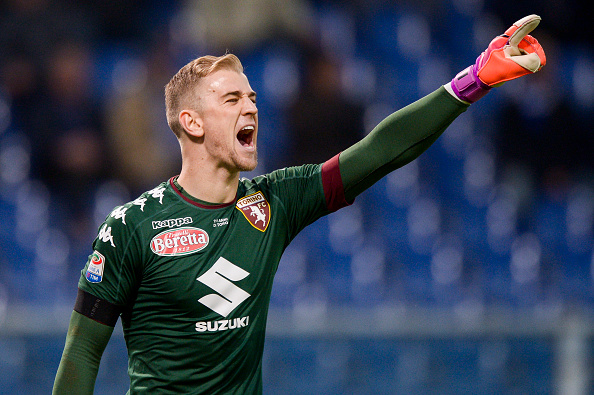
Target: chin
x,y
247,165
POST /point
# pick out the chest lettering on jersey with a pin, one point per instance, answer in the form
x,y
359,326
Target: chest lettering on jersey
x,y
256,210
172,223
220,278
222,325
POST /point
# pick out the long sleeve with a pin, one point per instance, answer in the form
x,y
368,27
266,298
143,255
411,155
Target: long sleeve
x,y
85,342
397,140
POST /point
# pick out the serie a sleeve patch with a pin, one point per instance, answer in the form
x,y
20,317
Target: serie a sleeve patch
x,y
96,309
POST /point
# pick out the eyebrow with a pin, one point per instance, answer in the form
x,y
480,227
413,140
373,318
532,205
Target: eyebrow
x,y
251,94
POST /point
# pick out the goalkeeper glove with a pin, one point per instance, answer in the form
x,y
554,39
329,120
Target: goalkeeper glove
x,y
509,56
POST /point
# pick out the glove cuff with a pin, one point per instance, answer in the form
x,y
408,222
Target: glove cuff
x,y
467,85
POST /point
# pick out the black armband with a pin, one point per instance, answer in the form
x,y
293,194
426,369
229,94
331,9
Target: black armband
x,y
96,309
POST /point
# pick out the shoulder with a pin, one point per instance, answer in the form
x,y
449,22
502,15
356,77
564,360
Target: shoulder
x,y
292,188
285,175
126,218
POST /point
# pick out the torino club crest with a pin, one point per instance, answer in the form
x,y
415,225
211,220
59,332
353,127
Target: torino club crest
x,y
256,210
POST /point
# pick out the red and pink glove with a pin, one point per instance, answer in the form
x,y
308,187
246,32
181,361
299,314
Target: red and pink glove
x,y
509,56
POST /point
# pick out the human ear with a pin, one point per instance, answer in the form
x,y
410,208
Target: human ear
x,y
191,122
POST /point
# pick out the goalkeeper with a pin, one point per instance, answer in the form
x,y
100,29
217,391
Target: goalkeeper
x,y
188,265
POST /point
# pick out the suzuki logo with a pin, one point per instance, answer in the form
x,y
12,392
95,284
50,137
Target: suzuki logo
x,y
220,277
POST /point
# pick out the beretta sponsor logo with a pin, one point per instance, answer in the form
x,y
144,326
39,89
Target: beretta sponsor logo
x,y
180,241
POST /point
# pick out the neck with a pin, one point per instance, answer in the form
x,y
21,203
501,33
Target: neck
x,y
210,184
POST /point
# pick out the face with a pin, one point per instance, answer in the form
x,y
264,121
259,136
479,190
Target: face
x,y
230,120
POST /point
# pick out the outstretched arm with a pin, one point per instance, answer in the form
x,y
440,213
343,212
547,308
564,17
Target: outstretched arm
x,y
404,135
397,140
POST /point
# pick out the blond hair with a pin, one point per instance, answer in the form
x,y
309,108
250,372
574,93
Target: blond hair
x,y
180,92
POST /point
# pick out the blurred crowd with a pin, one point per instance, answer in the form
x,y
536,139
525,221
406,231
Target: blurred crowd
x,y
83,128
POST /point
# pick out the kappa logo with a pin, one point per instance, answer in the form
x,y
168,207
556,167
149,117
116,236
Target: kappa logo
x,y
157,193
119,213
172,223
105,235
256,210
95,269
141,201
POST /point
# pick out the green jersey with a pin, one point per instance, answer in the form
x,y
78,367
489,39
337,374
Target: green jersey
x,y
194,280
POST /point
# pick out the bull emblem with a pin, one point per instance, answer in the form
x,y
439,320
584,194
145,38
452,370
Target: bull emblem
x,y
259,214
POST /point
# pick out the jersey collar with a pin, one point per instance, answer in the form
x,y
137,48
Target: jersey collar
x,y
194,201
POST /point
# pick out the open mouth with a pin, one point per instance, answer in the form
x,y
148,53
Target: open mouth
x,y
246,136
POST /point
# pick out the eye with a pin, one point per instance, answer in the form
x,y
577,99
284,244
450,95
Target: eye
x,y
232,100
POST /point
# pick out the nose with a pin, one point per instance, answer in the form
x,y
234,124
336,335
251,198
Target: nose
x,y
249,107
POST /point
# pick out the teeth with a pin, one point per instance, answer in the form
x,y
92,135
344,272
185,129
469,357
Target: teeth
x,y
248,128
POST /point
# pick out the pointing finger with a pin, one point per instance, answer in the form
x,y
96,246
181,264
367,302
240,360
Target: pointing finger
x,y
523,27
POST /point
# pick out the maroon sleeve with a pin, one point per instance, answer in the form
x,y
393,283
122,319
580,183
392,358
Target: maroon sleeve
x,y
332,183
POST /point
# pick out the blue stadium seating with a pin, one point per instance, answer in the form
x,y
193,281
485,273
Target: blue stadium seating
x,y
323,264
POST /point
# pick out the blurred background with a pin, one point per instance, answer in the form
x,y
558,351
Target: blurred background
x,y
468,271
